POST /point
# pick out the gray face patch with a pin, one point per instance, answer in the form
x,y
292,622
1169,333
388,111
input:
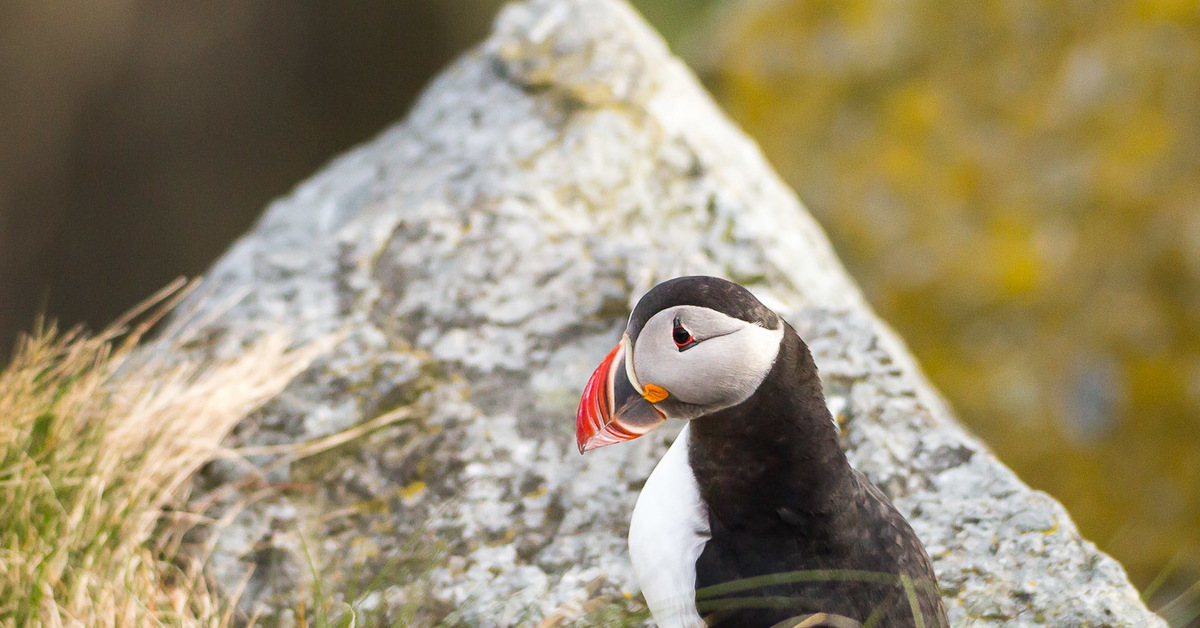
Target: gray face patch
x,y
730,359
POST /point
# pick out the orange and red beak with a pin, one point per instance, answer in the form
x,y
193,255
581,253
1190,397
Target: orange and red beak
x,y
612,408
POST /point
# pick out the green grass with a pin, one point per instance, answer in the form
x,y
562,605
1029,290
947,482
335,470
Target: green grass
x,y
97,444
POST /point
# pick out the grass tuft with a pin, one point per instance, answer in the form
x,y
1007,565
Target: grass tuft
x,y
97,443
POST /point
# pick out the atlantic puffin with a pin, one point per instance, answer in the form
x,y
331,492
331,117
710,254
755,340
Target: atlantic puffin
x,y
753,517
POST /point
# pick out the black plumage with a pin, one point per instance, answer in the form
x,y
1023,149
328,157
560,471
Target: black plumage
x,y
783,499
795,530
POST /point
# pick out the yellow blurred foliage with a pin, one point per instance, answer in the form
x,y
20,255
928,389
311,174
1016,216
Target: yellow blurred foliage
x,y
1016,185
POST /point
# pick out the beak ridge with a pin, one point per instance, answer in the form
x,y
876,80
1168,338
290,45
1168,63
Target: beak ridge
x,y
611,410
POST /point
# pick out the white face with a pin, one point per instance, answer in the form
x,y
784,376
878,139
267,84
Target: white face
x,y
723,364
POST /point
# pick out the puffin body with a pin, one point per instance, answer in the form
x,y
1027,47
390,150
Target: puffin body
x,y
754,516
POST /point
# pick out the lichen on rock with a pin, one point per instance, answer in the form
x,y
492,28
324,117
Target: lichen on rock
x,y
477,260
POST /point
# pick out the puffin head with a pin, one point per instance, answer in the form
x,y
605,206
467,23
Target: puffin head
x,y
693,346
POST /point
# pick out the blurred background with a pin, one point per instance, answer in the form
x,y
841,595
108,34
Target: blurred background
x,y
1014,183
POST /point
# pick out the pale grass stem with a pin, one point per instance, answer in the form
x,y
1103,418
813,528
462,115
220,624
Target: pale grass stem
x,y
97,440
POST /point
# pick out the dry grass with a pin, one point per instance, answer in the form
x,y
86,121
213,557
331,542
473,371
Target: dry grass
x,y
97,442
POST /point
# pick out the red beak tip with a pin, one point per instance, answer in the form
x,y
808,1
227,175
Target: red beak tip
x,y
594,412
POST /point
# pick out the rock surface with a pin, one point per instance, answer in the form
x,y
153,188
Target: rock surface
x,y
475,262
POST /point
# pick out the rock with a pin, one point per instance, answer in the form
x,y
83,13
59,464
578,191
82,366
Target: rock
x,y
474,263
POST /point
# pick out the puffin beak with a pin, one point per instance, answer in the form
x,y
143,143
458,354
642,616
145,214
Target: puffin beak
x,y
612,410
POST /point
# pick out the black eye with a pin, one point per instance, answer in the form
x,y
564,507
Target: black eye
x,y
683,339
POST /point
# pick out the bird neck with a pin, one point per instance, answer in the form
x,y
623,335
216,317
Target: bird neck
x,y
777,450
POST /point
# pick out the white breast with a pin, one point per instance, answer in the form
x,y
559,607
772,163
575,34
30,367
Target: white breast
x,y
667,535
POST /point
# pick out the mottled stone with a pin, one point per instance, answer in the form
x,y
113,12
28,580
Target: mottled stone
x,y
477,260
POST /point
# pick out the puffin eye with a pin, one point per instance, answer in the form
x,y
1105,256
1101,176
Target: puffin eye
x,y
682,337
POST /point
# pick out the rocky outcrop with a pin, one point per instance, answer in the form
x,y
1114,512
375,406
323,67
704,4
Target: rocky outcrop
x,y
474,263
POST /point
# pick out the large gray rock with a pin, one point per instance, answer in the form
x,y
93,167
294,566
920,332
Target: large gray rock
x,y
477,261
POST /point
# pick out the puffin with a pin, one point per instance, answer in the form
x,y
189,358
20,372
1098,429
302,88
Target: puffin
x,y
754,516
